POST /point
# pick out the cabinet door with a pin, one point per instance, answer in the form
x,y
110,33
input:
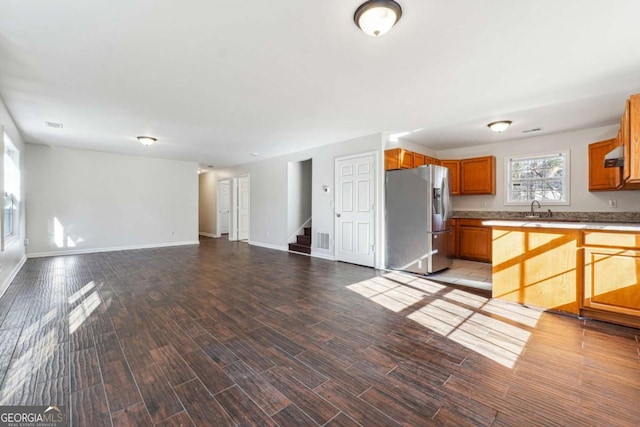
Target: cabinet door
x,y
391,159
452,248
406,159
418,160
611,280
454,175
631,137
601,178
474,243
398,158
478,175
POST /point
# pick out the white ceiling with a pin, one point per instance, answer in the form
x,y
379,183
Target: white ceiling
x,y
215,81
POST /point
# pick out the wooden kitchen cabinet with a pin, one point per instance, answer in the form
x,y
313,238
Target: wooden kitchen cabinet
x,y
454,175
452,244
398,158
478,175
611,266
474,240
431,161
630,134
601,178
418,159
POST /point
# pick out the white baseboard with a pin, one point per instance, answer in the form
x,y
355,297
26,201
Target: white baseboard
x,y
111,249
14,273
323,256
286,249
215,236
269,246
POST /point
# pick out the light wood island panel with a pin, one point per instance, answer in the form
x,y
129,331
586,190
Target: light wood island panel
x,y
537,266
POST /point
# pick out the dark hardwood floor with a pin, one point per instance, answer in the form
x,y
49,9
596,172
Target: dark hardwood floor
x,y
230,334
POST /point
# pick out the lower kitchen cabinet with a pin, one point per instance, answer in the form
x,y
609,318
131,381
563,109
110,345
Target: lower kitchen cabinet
x,y
611,281
452,244
474,240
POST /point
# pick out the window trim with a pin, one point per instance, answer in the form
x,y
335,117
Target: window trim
x,y
7,147
567,179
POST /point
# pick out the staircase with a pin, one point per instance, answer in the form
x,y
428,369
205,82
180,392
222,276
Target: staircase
x,y
303,242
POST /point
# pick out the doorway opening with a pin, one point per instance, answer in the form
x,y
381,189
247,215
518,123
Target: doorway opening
x,y
239,224
299,196
224,208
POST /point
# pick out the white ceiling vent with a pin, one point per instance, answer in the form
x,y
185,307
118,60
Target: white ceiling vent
x,y
54,125
532,130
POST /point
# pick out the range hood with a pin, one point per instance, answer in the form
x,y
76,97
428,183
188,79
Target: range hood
x,y
614,158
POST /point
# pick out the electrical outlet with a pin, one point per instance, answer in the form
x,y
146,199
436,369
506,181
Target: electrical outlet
x,y
484,204
613,203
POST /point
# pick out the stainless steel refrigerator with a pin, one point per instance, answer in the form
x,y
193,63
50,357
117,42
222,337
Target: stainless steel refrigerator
x,y
418,213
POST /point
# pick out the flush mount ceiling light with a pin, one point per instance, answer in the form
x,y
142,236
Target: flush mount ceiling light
x,y
500,126
376,17
146,140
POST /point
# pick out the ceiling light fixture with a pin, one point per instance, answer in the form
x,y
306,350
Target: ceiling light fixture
x,y
146,140
500,126
376,17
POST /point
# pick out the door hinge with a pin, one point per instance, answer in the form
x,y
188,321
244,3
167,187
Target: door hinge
x,y
373,248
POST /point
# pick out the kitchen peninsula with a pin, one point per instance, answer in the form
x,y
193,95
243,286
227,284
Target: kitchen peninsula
x,y
584,268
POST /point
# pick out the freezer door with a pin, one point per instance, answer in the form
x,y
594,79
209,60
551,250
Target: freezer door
x,y
439,198
438,245
406,220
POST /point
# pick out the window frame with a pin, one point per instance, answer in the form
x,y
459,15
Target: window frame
x,y
566,178
7,148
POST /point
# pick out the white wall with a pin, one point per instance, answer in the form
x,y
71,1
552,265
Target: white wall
x,y
299,195
269,208
577,142
87,201
411,146
207,189
13,256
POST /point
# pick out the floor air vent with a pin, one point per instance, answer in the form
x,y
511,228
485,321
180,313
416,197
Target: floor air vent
x,y
322,240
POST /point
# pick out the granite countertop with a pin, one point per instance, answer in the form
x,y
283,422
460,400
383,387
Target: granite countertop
x,y
546,223
607,218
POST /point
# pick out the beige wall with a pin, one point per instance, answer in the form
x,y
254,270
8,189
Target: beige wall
x,y
207,188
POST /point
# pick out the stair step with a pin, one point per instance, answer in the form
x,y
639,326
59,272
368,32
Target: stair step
x,y
300,248
303,240
307,231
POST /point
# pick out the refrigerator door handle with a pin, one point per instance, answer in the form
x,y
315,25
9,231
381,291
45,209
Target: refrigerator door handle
x,y
445,198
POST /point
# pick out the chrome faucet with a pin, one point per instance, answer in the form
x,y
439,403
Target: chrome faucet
x,y
532,203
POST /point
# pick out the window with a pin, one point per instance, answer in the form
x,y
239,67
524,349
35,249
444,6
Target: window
x,y
544,178
11,204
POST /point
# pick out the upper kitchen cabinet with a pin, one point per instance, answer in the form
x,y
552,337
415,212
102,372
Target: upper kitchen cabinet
x,y
432,161
478,175
454,173
398,158
630,134
418,160
601,178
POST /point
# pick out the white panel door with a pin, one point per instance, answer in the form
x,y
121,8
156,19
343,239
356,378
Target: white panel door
x,y
243,208
355,190
224,198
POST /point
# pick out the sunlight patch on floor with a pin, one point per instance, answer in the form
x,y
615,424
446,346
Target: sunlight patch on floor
x,y
463,317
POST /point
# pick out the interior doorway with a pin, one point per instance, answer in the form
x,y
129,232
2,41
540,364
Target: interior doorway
x,y
224,207
299,189
239,223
